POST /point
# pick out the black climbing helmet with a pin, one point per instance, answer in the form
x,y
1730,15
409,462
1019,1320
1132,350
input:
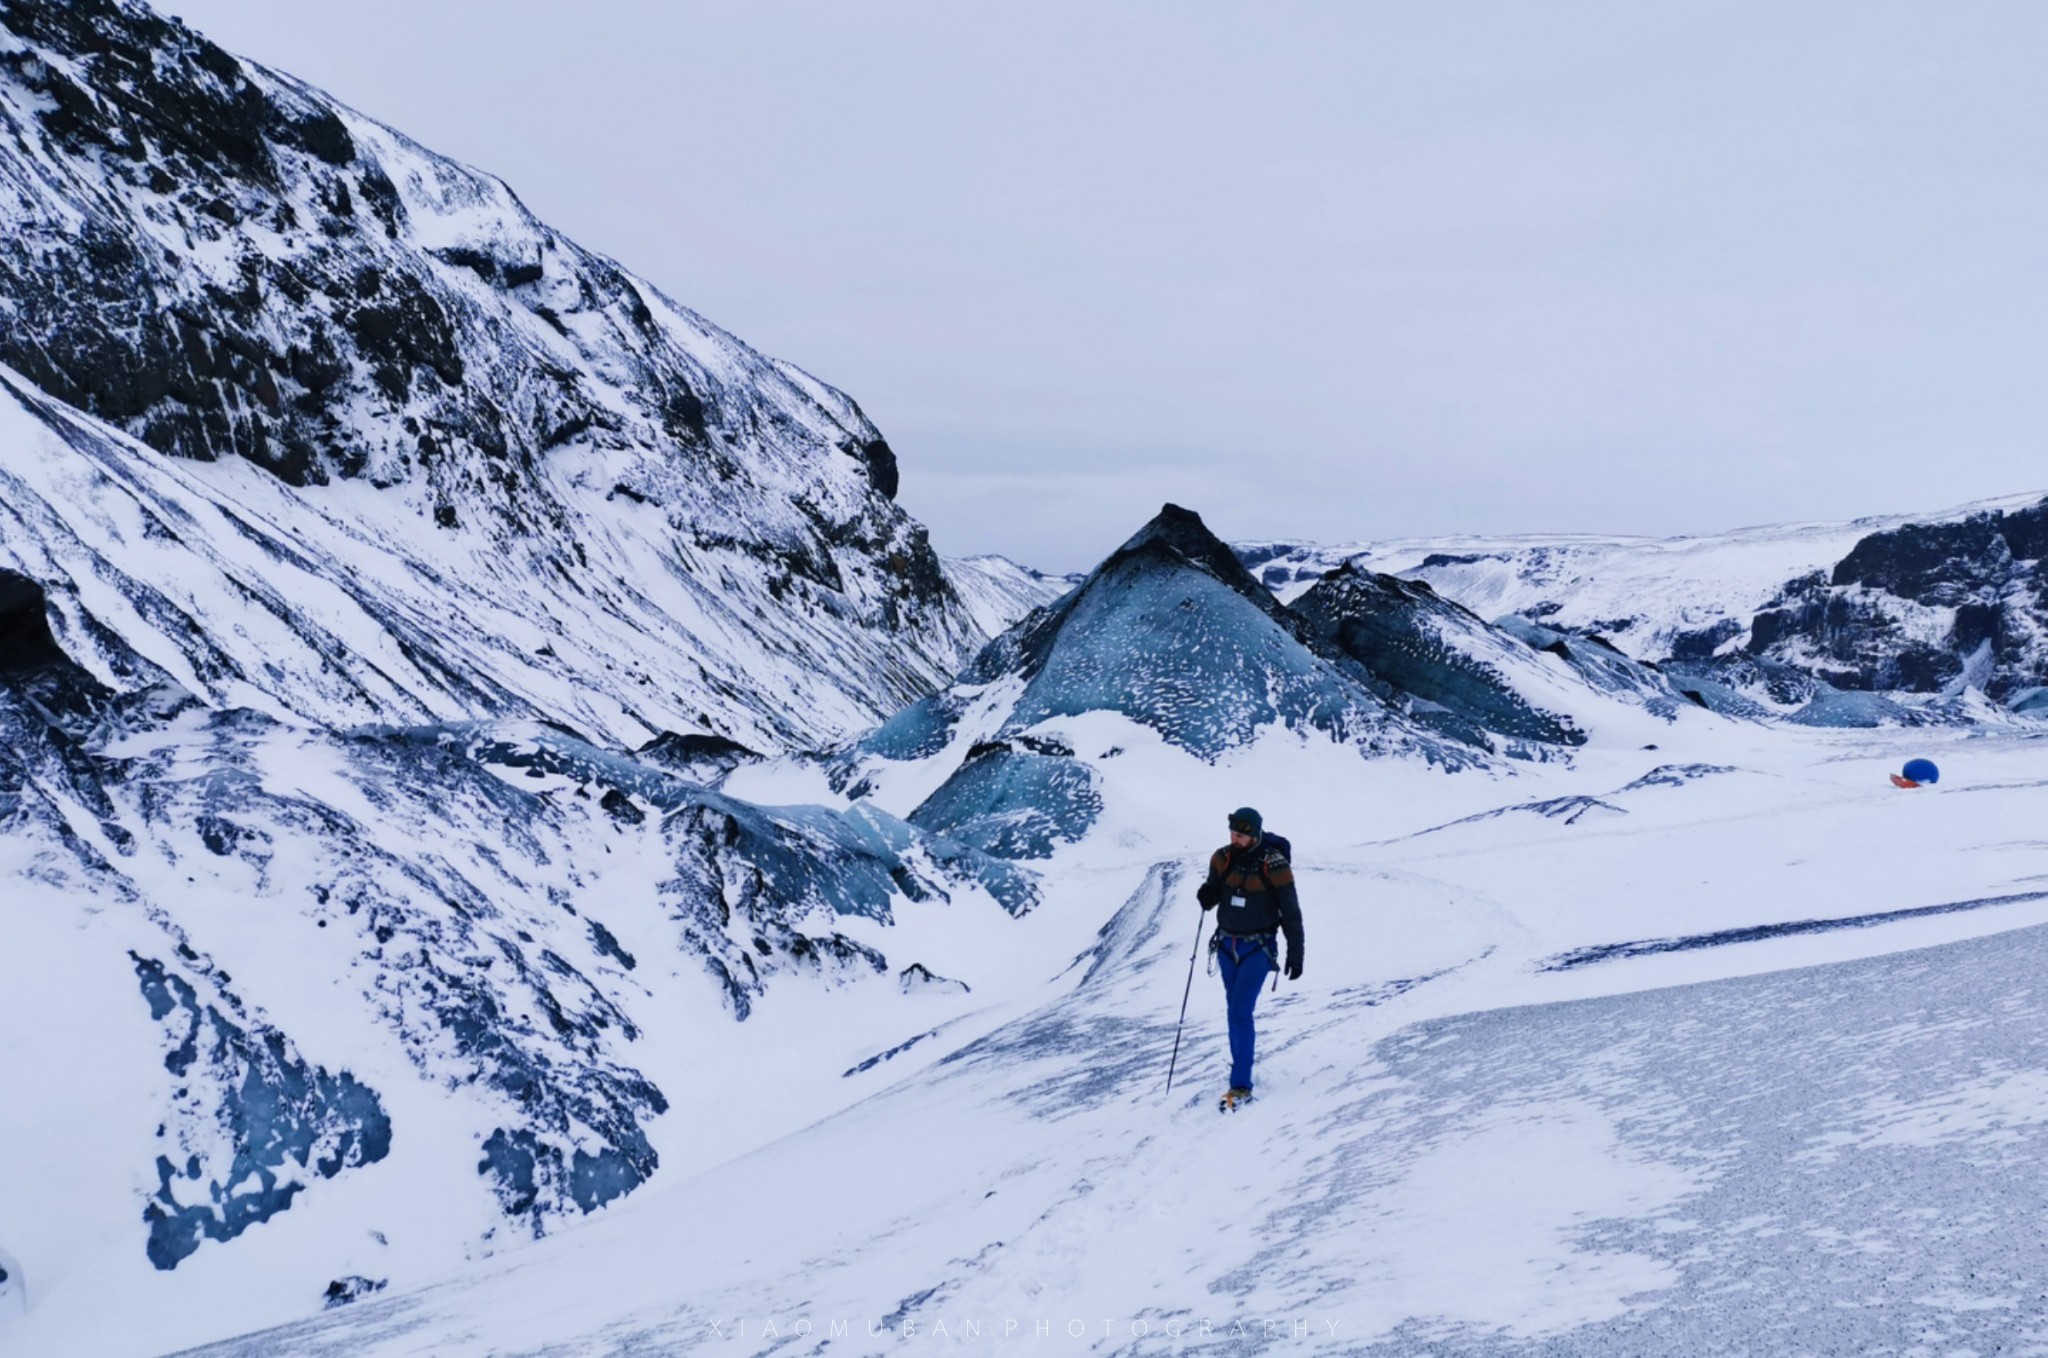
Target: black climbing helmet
x,y
1245,821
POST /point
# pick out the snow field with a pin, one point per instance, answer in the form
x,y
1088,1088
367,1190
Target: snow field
x,y
1431,1160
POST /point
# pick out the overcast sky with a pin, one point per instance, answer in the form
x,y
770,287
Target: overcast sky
x,y
1327,271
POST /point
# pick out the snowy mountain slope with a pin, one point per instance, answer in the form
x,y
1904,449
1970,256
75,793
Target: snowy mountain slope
x,y
1455,1149
1902,602
999,593
472,847
251,592
266,975
521,990
582,484
413,497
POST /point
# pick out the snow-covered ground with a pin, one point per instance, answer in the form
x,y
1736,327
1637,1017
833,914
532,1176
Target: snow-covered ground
x,y
1476,1131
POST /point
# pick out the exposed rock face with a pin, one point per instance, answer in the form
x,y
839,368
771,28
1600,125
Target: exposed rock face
x,y
25,640
1463,670
1922,609
1949,562
229,266
701,759
354,1287
918,979
252,1122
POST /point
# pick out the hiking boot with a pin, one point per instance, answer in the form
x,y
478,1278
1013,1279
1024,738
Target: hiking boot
x,y
1233,1098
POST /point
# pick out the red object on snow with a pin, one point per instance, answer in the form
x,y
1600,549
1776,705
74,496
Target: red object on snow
x,y
1897,781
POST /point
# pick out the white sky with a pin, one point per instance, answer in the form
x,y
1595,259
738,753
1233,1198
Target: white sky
x,y
1318,270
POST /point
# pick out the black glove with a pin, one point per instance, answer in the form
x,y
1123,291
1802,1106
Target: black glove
x,y
1208,893
1294,967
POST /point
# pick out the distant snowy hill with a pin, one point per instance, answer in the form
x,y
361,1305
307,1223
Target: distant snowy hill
x,y
998,591
1918,604
551,491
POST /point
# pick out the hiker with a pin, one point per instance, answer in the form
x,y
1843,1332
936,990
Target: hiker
x,y
1251,888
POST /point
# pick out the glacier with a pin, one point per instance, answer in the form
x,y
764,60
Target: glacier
x,y
514,842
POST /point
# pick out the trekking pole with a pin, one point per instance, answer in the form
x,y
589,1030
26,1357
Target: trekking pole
x,y
1189,990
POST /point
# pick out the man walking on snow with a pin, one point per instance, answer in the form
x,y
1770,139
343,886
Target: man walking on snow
x,y
1251,888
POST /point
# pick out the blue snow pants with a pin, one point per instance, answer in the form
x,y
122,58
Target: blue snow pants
x,y
1245,964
